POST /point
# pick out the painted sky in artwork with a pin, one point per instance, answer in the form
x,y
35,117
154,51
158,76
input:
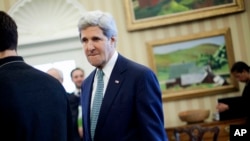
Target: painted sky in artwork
x,y
165,49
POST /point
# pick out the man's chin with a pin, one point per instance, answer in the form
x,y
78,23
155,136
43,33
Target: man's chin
x,y
97,65
94,62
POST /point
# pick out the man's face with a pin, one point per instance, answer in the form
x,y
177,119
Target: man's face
x,y
241,76
77,78
97,47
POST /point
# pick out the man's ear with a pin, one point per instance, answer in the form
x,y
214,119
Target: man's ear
x,y
112,40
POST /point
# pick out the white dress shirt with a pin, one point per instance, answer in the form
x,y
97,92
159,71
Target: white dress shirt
x,y
107,72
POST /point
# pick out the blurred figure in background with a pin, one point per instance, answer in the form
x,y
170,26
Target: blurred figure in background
x,y
33,105
77,77
241,71
56,73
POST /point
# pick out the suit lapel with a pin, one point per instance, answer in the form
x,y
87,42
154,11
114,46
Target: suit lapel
x,y
86,100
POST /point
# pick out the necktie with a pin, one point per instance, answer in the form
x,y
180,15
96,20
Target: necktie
x,y
97,102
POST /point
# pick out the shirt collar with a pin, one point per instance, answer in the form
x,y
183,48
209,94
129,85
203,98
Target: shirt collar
x,y
110,65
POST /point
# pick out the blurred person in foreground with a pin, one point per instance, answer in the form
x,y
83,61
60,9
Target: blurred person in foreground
x,y
241,71
33,105
131,106
77,77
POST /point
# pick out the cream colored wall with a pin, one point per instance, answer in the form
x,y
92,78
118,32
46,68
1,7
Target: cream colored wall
x,y
132,45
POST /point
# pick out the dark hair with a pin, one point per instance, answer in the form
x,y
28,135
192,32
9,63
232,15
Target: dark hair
x,y
240,67
77,68
8,32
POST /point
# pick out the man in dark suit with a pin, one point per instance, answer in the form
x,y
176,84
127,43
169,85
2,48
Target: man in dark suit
x,y
131,102
234,107
33,104
77,77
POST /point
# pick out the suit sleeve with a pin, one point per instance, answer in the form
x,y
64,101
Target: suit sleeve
x,y
149,108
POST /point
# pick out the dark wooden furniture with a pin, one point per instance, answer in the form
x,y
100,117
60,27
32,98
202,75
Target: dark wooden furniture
x,y
196,132
224,127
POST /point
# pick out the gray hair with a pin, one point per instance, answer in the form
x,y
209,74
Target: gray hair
x,y
56,73
101,19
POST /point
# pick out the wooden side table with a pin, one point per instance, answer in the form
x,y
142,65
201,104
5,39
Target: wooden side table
x,y
223,125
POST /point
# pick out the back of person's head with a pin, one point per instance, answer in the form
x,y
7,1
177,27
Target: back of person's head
x,y
239,67
56,73
8,32
103,20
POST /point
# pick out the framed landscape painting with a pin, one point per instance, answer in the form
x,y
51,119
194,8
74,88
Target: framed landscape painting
x,y
142,14
194,65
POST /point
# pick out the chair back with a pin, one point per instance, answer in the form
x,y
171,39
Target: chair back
x,y
196,132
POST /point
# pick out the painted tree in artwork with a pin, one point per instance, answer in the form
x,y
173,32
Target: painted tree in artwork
x,y
151,8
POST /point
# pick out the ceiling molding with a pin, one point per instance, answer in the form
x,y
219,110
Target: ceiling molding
x,y
45,20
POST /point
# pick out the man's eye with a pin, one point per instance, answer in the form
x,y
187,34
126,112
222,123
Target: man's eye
x,y
84,40
96,39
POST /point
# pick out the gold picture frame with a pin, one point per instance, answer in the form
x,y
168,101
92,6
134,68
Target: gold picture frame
x,y
158,18
194,65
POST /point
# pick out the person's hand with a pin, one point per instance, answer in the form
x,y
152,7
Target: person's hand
x,y
80,130
221,107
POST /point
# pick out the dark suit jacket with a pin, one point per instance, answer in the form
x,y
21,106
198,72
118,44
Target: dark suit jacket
x,y
33,104
245,102
131,108
74,104
237,106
